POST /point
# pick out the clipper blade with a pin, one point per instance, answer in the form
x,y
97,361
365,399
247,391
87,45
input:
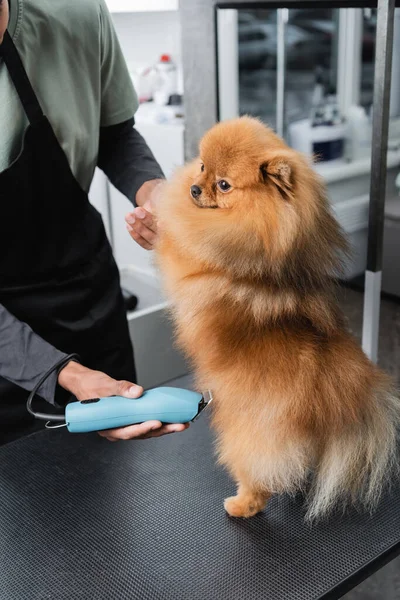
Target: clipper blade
x,y
204,402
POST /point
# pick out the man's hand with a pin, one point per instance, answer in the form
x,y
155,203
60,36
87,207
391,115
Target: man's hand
x,y
4,10
141,223
85,383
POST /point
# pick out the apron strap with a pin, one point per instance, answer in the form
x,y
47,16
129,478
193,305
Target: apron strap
x,y
20,79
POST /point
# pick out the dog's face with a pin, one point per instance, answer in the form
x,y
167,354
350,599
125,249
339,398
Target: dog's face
x,y
239,159
249,203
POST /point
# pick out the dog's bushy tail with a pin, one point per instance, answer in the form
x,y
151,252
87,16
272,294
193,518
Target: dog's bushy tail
x,y
355,467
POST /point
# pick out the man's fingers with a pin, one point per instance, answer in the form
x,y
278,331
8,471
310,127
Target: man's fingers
x,y
166,429
143,222
132,431
141,215
144,214
128,389
144,231
142,431
139,239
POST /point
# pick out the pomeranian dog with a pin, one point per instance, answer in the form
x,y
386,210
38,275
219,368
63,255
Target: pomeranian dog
x,y
249,251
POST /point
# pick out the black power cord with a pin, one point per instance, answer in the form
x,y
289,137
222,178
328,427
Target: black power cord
x,y
59,365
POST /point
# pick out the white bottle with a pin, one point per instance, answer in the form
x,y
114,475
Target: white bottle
x,y
360,134
167,80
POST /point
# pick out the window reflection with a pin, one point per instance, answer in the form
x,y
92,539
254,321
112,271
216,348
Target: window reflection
x,y
368,58
257,32
311,53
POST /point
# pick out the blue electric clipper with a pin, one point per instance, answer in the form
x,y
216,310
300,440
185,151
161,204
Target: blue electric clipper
x,y
165,404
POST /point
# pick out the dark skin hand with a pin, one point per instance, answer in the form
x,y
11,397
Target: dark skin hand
x,y
141,223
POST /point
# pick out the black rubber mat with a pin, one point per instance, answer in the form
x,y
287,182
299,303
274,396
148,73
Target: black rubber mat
x,y
82,518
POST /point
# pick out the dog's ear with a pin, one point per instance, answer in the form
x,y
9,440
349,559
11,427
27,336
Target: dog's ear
x,y
279,171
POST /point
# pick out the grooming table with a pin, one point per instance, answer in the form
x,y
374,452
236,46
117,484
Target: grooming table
x,y
83,518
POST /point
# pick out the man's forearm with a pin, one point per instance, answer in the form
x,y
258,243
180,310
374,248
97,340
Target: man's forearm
x,y
25,357
128,162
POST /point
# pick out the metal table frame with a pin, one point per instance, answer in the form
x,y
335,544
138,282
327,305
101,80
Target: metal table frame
x,y
200,71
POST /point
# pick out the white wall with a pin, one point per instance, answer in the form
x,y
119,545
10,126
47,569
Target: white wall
x,y
145,36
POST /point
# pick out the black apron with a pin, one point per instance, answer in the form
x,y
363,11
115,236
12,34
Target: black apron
x,y
57,271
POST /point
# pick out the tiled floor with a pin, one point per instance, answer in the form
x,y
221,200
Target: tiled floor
x,y
384,585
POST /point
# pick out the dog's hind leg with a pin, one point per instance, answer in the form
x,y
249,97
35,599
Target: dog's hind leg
x,y
248,501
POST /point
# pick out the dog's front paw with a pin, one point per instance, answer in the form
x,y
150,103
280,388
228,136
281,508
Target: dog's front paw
x,y
240,506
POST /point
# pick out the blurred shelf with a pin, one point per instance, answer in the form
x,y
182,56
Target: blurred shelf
x,y
130,6
345,170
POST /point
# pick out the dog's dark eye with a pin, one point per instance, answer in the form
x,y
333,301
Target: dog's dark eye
x,y
202,167
223,185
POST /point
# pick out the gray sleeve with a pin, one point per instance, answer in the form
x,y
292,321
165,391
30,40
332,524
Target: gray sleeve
x,y
126,159
25,356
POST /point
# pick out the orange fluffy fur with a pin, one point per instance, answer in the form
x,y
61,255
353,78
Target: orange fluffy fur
x,y
249,273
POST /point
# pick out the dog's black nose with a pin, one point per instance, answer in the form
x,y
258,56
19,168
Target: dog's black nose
x,y
195,191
